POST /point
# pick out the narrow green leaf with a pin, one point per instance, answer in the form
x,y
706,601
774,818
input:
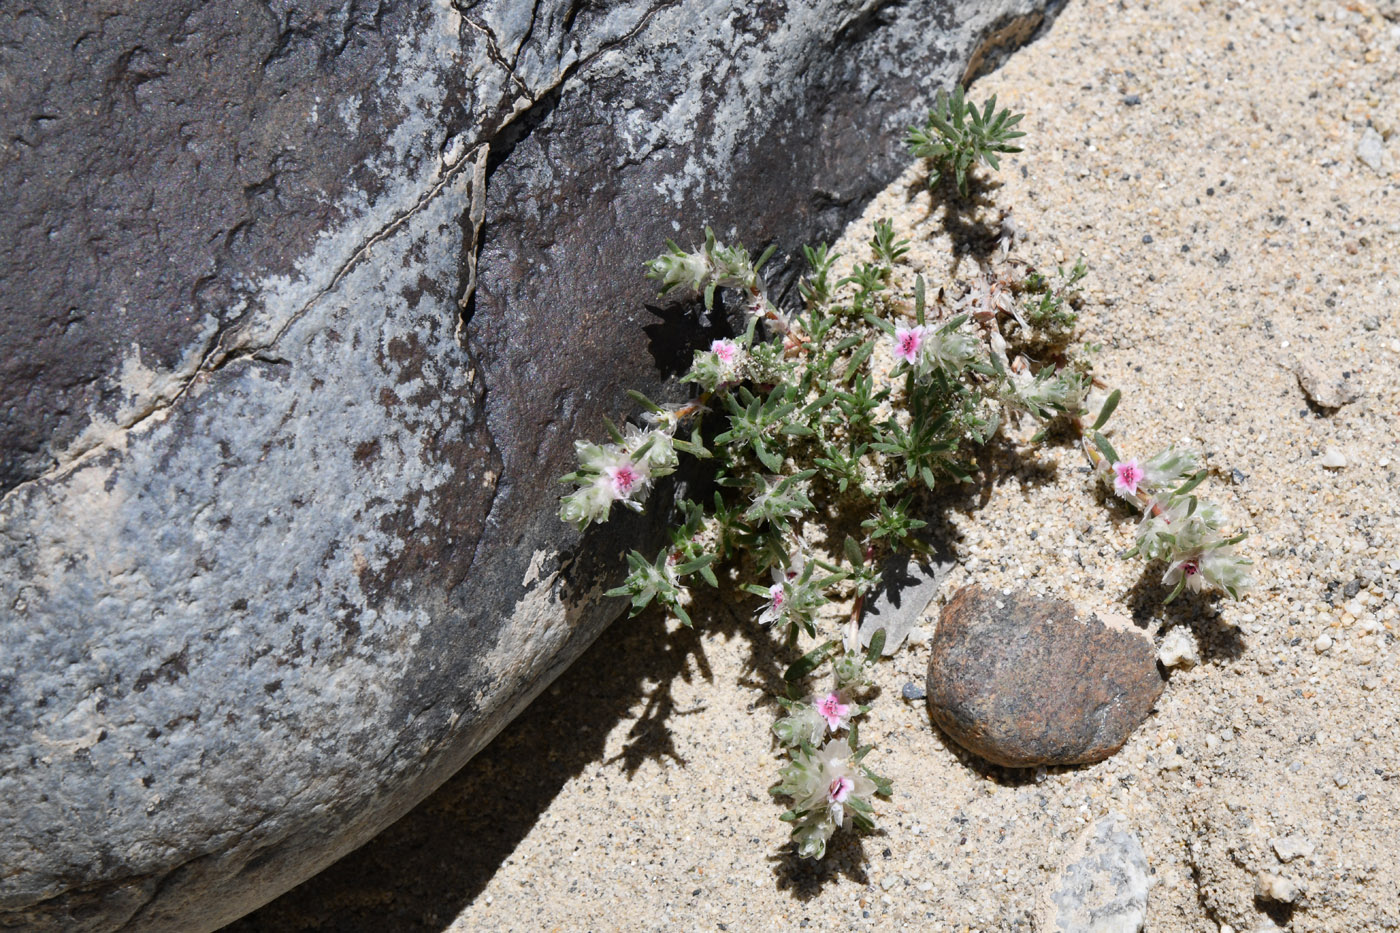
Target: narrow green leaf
x,y
881,323
1108,406
1190,484
641,399
1105,447
858,360
808,662
690,566
769,459
695,450
766,255
919,299
877,645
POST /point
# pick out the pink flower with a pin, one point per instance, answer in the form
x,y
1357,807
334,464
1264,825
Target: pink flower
x,y
1126,476
907,341
834,711
840,790
726,350
625,477
774,610
1187,569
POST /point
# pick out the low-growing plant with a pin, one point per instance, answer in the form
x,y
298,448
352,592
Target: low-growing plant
x,y
957,136
828,425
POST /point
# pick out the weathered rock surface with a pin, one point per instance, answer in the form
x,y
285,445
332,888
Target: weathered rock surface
x,y
303,306
1021,681
1103,884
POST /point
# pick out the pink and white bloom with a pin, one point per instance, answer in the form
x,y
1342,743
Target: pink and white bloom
x,y
836,779
908,341
626,478
1126,476
836,713
773,610
727,351
1189,569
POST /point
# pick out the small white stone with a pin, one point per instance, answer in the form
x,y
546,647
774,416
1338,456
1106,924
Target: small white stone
x,y
1179,649
1324,641
1287,848
1371,150
1332,459
1271,887
918,635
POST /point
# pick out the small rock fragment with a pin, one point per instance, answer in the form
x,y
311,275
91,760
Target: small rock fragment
x,y
1324,641
1179,649
912,691
1287,848
1021,681
1371,150
1326,389
1333,459
907,586
1101,886
1271,887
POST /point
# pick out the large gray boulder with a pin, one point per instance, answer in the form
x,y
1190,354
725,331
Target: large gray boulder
x,y
301,306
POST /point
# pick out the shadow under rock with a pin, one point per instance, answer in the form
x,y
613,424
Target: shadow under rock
x,y
421,872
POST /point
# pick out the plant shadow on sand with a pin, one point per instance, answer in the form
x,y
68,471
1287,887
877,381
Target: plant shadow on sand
x,y
425,869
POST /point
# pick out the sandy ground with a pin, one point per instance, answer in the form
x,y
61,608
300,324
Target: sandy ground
x,y
1202,158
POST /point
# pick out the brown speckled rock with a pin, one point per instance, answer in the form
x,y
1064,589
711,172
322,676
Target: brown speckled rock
x,y
1021,681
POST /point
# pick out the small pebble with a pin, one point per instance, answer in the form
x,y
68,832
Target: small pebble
x,y
1179,649
1271,887
1371,150
1326,387
912,691
1288,848
1333,459
1324,641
